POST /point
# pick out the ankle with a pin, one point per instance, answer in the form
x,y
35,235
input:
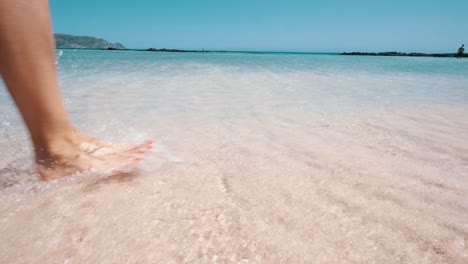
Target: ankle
x,y
54,146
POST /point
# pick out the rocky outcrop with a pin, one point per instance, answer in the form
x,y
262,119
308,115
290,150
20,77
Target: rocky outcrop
x,y
84,42
395,53
169,50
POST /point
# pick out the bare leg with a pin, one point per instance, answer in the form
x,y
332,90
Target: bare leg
x,y
27,65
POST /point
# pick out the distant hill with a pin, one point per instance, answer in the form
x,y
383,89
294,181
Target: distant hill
x,y
84,42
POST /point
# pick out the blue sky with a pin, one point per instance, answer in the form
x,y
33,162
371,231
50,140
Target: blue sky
x,y
287,25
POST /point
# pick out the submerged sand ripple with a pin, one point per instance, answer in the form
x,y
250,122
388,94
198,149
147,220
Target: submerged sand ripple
x,y
381,187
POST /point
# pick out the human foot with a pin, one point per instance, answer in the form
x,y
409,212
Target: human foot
x,y
79,153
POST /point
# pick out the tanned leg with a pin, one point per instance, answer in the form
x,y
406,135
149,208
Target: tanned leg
x,y
27,65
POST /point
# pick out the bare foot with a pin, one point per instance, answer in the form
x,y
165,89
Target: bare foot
x,y
79,153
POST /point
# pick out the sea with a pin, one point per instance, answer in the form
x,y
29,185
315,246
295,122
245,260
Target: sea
x,y
259,158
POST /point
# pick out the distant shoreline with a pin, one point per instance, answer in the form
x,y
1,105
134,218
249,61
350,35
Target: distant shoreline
x,y
402,54
66,41
381,54
206,51
147,50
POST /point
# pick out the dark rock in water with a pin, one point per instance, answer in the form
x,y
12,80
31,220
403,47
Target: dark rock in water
x,y
170,50
395,53
84,42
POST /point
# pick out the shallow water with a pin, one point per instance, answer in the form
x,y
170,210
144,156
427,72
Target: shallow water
x,y
259,158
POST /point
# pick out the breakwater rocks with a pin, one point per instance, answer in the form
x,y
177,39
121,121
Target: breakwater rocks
x,y
173,50
394,53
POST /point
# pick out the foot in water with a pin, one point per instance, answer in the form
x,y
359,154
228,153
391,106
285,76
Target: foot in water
x,y
80,153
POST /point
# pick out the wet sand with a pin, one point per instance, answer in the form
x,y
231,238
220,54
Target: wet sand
x,y
292,186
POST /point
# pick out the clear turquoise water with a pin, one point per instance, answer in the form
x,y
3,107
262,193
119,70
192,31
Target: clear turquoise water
x,y
347,81
137,88
120,85
128,95
294,158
